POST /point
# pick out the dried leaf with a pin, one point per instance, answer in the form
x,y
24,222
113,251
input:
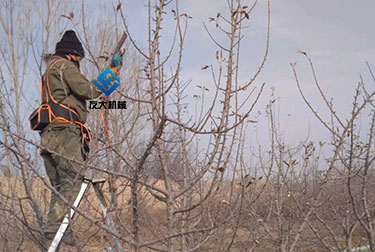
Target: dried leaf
x,y
225,202
186,15
220,169
245,7
104,57
281,148
118,6
299,51
217,55
203,87
205,67
246,15
238,185
65,16
71,15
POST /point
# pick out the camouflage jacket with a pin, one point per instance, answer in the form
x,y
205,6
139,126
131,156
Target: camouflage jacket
x,y
68,84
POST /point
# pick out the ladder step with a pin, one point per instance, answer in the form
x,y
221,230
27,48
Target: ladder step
x,y
96,180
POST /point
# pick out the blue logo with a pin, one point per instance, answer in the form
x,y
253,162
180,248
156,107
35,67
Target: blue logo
x,y
105,79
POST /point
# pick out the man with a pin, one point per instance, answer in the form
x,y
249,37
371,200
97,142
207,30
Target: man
x,y
70,88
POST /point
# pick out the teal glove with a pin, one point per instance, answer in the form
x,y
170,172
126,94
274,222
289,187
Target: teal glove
x,y
117,60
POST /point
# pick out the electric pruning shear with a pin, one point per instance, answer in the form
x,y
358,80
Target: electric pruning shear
x,y
117,53
116,61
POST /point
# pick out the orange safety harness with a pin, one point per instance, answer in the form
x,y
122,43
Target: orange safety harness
x,y
55,111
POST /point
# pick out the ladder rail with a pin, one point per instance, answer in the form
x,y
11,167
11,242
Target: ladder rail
x,y
65,223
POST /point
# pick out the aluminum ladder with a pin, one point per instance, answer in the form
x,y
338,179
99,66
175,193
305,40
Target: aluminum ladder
x,y
98,187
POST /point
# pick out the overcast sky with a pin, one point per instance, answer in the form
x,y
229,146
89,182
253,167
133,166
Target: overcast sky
x,y
337,34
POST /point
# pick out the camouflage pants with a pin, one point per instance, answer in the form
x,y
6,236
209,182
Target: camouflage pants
x,y
65,176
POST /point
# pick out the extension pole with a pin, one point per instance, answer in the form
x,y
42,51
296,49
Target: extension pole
x,y
107,216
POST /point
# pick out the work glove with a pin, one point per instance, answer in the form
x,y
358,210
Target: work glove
x,y
116,61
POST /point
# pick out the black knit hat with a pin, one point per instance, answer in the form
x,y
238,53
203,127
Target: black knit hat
x,y
70,44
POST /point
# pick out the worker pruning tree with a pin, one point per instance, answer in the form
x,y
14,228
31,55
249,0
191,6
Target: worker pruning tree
x,y
178,149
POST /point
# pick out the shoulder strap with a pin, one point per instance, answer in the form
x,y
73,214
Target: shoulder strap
x,y
61,109
45,85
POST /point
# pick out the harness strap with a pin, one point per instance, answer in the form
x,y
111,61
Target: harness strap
x,y
61,109
63,112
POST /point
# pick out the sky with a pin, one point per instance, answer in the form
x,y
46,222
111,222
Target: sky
x,y
337,34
